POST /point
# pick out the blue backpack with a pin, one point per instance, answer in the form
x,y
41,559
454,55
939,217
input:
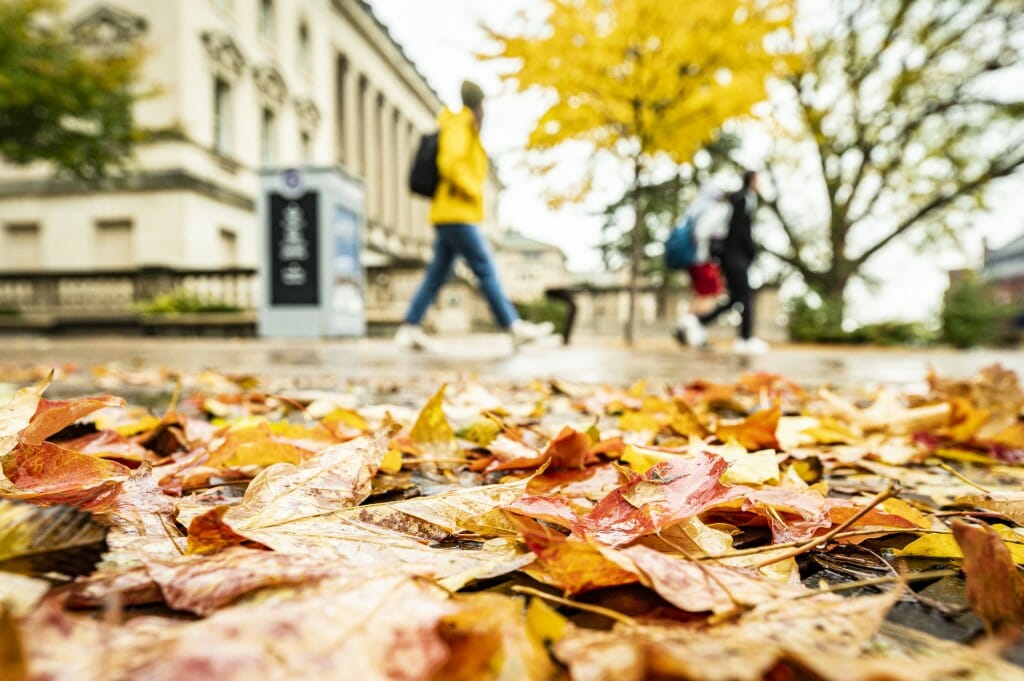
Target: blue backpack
x,y
681,245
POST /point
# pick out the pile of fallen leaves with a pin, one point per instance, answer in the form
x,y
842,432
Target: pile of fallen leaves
x,y
545,531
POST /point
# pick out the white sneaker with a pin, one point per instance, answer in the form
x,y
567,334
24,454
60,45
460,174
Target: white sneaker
x,y
750,346
411,337
524,332
691,332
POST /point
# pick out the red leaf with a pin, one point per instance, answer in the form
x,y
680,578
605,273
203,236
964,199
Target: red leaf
x,y
53,475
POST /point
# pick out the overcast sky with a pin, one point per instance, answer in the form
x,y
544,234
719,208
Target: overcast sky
x,y
441,36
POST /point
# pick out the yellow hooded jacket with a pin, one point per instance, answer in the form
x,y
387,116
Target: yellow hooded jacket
x,y
462,165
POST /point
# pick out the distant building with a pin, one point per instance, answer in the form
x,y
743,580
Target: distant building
x,y
530,267
243,85
1004,268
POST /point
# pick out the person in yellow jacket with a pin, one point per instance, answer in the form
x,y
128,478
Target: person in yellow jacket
x,y
457,208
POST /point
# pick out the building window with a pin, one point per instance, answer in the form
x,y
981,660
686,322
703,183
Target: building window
x,y
266,20
303,52
22,248
228,239
267,137
306,147
221,116
115,246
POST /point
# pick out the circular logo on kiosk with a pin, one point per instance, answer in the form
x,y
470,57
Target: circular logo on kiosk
x,y
291,182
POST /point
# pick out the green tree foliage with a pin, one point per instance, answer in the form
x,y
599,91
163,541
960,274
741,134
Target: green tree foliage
x,y
895,125
971,315
59,101
662,204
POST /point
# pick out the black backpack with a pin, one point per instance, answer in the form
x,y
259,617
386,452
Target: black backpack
x,y
424,176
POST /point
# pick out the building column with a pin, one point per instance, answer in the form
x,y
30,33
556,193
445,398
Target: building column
x,y
371,153
351,120
404,158
387,168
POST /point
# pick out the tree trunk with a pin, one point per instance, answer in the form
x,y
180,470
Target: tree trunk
x,y
636,256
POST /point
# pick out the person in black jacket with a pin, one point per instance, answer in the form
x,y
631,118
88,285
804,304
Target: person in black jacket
x,y
735,253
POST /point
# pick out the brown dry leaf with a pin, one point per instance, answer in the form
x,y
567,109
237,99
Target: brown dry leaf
x,y
336,478
489,639
1010,504
204,584
20,594
887,413
995,588
823,626
700,586
13,665
14,418
473,511
362,628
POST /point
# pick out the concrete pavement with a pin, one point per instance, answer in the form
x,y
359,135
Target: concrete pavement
x,y
327,364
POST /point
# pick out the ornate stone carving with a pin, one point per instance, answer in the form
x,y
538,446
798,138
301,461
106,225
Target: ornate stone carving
x,y
269,83
308,113
106,25
224,53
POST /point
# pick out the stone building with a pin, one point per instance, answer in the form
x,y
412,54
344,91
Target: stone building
x,y
241,85
1004,268
530,267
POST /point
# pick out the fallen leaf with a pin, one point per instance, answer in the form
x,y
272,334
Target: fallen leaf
x,y
995,588
757,431
700,586
490,639
573,565
336,478
821,627
1010,505
432,432
36,540
53,416
47,474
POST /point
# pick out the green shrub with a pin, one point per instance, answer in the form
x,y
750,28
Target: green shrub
x,y
183,302
544,310
9,312
813,322
816,323
971,316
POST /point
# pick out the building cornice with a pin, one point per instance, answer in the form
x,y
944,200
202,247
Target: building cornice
x,y
361,16
145,181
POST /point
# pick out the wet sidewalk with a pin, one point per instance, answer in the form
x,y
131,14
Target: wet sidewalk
x,y
326,364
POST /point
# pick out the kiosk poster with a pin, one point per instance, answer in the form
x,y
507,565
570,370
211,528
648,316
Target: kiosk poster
x,y
294,272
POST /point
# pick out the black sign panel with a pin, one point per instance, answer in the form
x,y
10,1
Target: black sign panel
x,y
294,251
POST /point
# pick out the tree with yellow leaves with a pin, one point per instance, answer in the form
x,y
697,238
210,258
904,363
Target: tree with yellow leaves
x,y
647,80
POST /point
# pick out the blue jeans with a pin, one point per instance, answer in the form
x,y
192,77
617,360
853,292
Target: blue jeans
x,y
451,240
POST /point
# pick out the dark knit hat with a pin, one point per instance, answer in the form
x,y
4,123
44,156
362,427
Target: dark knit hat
x,y
472,95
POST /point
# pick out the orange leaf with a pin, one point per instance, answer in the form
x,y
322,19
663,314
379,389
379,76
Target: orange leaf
x,y
51,417
570,564
757,431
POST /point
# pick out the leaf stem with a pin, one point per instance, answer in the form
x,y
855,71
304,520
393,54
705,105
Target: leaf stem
x,y
596,609
874,581
887,493
963,478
